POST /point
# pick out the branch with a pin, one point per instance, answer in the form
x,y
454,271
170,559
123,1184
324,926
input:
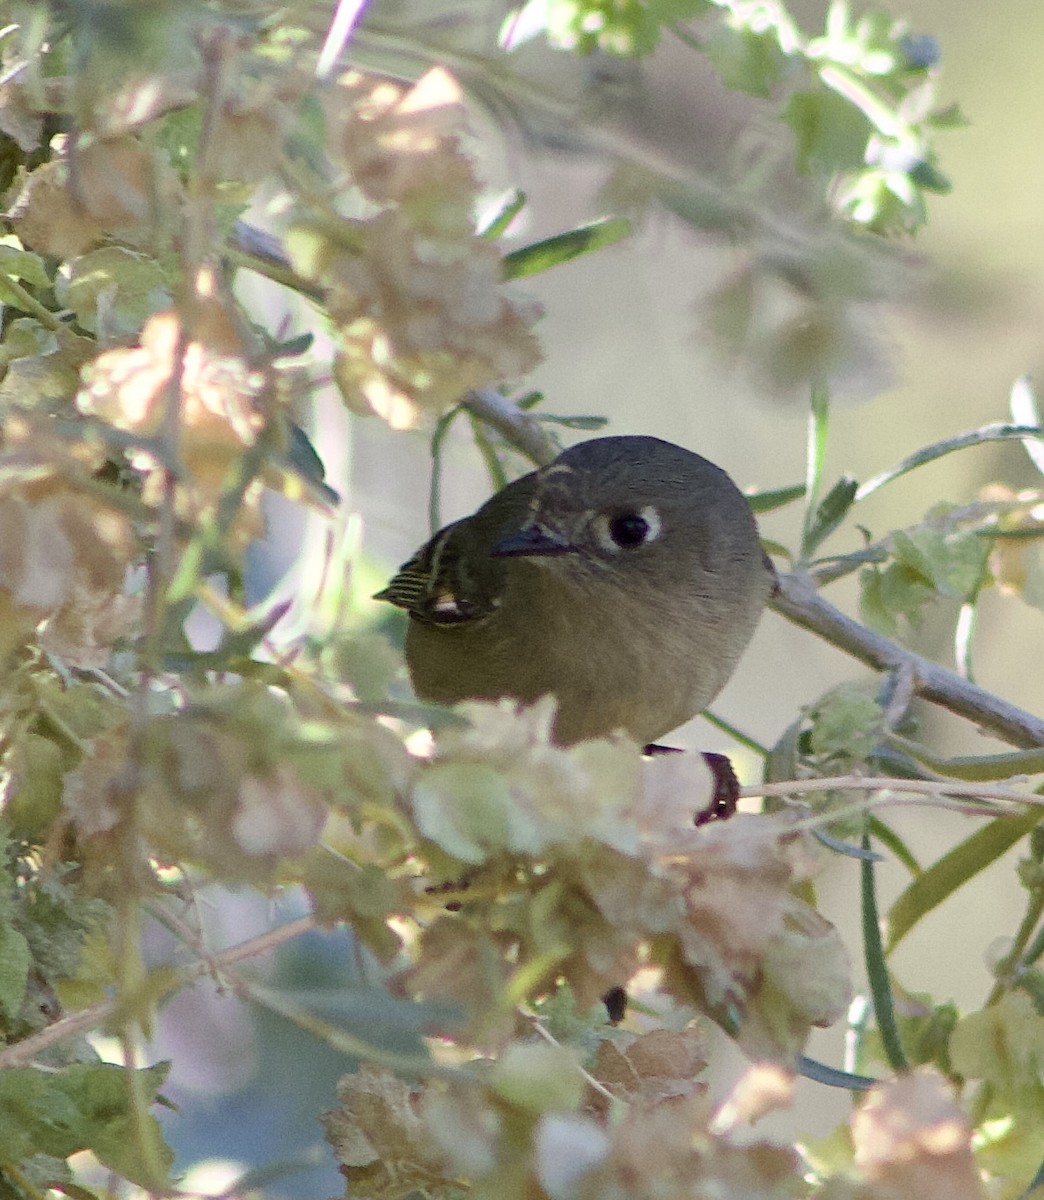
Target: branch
x,y
801,604
515,426
950,789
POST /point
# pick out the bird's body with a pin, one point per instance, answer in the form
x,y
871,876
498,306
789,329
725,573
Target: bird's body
x,y
626,579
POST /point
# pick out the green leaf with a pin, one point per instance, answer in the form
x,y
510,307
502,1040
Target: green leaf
x,y
25,337
767,501
586,423
886,595
832,1076
303,464
1004,1045
293,347
35,800
846,723
877,968
14,970
952,564
888,838
979,768
509,209
85,1106
530,260
928,176
829,514
748,61
949,117
939,881
113,290
831,133
845,848
101,1094
995,432
815,455
24,265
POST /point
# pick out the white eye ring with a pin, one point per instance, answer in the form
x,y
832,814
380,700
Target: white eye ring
x,y
604,531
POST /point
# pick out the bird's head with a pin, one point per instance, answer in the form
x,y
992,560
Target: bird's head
x,y
633,508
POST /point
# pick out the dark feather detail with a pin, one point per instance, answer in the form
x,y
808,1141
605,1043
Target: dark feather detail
x,y
434,585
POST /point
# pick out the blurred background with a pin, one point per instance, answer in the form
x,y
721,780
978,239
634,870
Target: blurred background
x,y
948,321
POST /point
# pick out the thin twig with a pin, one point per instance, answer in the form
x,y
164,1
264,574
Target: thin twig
x,y
875,783
517,427
86,1019
587,1077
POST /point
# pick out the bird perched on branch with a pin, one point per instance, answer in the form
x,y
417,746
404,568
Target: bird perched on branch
x,y
625,578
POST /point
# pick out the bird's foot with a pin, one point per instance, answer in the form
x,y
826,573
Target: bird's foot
x,y
725,791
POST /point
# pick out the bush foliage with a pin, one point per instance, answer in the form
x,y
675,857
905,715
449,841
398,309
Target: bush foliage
x,y
157,156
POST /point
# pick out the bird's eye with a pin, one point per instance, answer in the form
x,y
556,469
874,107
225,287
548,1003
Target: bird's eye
x,y
628,530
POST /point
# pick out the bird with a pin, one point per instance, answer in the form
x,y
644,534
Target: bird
x,y
625,578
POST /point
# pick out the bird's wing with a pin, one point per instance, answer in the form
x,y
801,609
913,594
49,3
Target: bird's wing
x,y
454,577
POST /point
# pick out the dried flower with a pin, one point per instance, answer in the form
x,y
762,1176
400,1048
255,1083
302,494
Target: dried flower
x,y
414,292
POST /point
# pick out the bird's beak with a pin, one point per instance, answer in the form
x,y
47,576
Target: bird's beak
x,y
534,541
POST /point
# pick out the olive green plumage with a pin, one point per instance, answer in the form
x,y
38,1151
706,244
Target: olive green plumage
x,y
626,578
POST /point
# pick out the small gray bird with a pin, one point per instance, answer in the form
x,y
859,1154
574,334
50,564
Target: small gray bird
x,y
625,578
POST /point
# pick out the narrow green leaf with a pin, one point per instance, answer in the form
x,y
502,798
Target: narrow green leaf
x,y
302,460
438,437
829,514
949,117
891,841
530,260
737,735
509,209
762,502
998,431
776,550
574,422
497,475
832,1076
954,869
928,176
1026,411
976,768
877,968
294,347
846,848
818,423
